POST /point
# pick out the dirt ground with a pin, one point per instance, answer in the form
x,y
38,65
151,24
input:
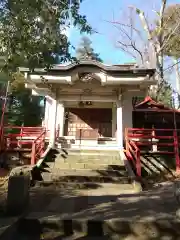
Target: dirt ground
x,y
52,203
102,202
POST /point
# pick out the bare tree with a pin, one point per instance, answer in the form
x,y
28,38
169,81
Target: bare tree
x,y
130,38
146,41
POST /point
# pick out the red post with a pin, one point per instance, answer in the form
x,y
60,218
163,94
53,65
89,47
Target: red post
x,y
42,144
1,138
176,150
138,163
126,139
33,154
44,140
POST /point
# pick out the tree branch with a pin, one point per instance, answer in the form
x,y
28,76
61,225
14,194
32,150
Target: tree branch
x,y
128,26
145,25
163,6
169,37
127,33
125,49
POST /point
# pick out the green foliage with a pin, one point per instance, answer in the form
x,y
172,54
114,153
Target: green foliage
x,y
32,34
32,31
171,43
86,52
23,109
167,34
163,94
171,30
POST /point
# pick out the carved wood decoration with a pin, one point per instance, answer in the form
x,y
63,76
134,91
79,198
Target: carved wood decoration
x,y
86,77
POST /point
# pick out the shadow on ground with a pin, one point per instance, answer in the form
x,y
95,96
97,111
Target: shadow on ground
x,y
148,215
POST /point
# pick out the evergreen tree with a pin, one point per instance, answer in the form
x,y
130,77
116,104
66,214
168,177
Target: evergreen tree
x,y
32,34
86,52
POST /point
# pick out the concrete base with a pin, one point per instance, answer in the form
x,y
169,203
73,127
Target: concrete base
x,y
89,147
101,143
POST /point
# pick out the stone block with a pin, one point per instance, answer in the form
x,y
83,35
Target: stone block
x,y
18,194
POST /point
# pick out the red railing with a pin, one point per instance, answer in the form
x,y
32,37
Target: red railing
x,y
38,147
133,153
20,131
14,136
26,139
165,141
2,142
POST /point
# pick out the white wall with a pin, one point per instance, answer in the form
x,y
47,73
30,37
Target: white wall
x,y
114,120
60,118
119,131
47,120
127,111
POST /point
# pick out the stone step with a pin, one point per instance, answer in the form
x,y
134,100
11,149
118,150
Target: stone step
x,y
109,152
74,165
56,228
98,147
92,155
89,157
88,172
88,160
86,167
105,173
50,177
90,152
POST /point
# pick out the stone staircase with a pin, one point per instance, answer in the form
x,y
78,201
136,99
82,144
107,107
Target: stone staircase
x,y
79,185
103,168
103,207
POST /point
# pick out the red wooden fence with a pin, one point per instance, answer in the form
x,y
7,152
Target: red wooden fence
x,y
20,138
137,138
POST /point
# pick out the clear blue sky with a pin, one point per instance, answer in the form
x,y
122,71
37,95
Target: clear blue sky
x,y
98,13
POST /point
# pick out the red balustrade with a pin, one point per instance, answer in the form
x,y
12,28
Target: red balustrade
x,y
137,138
38,147
32,139
19,137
